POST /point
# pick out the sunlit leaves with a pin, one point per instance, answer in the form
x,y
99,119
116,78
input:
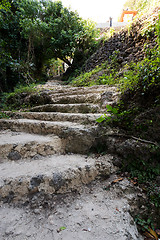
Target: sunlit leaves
x,y
5,5
32,32
56,27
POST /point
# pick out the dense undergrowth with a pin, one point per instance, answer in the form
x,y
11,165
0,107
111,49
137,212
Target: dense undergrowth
x,y
14,100
137,114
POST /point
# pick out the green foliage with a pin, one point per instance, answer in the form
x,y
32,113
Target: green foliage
x,y
148,28
23,89
158,32
143,170
101,118
85,79
101,75
62,228
113,111
54,67
12,48
143,74
12,100
141,5
146,172
143,81
5,5
144,224
144,7
153,194
56,30
33,32
108,34
3,115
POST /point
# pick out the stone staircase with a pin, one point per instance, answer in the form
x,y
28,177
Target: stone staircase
x,y
73,124
40,148
47,175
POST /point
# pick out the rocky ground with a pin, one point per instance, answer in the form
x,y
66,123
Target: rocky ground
x,y
97,211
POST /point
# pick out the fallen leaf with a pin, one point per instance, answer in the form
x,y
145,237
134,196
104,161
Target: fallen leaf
x,y
148,238
61,229
148,235
117,180
133,182
153,233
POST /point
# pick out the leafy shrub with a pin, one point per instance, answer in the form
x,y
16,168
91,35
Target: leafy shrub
x,y
3,115
101,75
13,100
142,75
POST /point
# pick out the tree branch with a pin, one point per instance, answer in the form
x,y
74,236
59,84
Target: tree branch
x,y
130,136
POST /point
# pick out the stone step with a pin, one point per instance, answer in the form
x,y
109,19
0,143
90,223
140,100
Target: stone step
x,y
78,96
68,108
68,90
19,145
79,138
81,118
72,99
74,92
22,180
55,81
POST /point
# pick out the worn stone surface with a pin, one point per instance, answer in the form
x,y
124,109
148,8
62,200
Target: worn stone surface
x,y
14,155
74,121
50,93
67,90
94,213
88,118
78,98
68,108
32,179
126,147
57,174
79,138
17,145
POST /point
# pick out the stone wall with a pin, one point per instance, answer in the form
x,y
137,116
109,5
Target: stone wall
x,y
129,42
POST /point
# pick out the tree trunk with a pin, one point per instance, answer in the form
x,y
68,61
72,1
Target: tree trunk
x,y
67,62
39,63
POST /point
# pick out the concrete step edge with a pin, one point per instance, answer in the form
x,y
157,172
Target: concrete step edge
x,y
56,175
19,145
67,108
56,116
78,138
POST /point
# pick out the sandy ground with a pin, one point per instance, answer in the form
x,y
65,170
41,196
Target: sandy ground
x,y
97,212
